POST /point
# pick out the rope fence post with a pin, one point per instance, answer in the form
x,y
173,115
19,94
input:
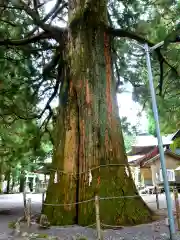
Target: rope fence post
x,y
24,199
98,223
43,197
177,207
28,212
24,204
157,197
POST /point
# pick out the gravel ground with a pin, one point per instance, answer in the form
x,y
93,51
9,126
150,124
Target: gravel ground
x,y
144,232
11,209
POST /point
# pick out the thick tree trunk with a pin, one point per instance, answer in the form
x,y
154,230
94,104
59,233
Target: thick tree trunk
x,y
88,132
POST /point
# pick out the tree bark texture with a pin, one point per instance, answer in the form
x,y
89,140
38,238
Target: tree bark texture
x,y
88,130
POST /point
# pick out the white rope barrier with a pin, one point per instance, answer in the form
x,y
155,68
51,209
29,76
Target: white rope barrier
x,y
68,204
92,199
89,169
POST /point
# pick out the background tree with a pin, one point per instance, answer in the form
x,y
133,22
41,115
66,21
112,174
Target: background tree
x,y
21,151
164,64
129,133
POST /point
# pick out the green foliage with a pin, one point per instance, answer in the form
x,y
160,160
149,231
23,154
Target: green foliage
x,y
24,144
129,140
161,18
169,116
175,144
154,21
21,148
129,133
42,235
151,124
12,225
81,238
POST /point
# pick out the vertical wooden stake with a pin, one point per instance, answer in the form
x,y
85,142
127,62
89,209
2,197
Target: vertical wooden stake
x,y
177,207
98,224
28,212
24,199
24,203
43,196
157,197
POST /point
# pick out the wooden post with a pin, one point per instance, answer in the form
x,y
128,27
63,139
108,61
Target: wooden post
x,y
43,196
98,224
177,207
24,203
28,212
24,199
157,197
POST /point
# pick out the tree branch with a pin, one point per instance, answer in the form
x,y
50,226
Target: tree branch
x,y
134,36
55,31
45,124
51,97
128,34
58,11
49,14
52,64
7,22
33,39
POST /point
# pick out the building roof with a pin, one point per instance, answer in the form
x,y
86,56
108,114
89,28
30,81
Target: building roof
x,y
175,135
149,140
146,150
138,159
157,156
135,158
146,159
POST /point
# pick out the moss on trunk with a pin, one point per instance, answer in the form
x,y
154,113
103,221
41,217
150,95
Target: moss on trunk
x,y
88,131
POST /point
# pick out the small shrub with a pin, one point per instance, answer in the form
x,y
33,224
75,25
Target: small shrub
x,y
42,235
12,225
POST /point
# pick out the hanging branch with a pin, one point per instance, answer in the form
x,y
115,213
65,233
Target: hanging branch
x,y
25,41
161,75
53,10
54,31
36,19
134,36
51,97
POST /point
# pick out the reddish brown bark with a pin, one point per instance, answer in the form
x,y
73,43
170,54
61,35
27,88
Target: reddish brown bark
x,y
89,131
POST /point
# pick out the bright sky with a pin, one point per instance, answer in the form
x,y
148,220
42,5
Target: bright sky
x,y
127,107
131,109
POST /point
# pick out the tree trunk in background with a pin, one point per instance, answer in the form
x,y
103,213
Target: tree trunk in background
x,y
22,183
13,183
88,131
8,179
